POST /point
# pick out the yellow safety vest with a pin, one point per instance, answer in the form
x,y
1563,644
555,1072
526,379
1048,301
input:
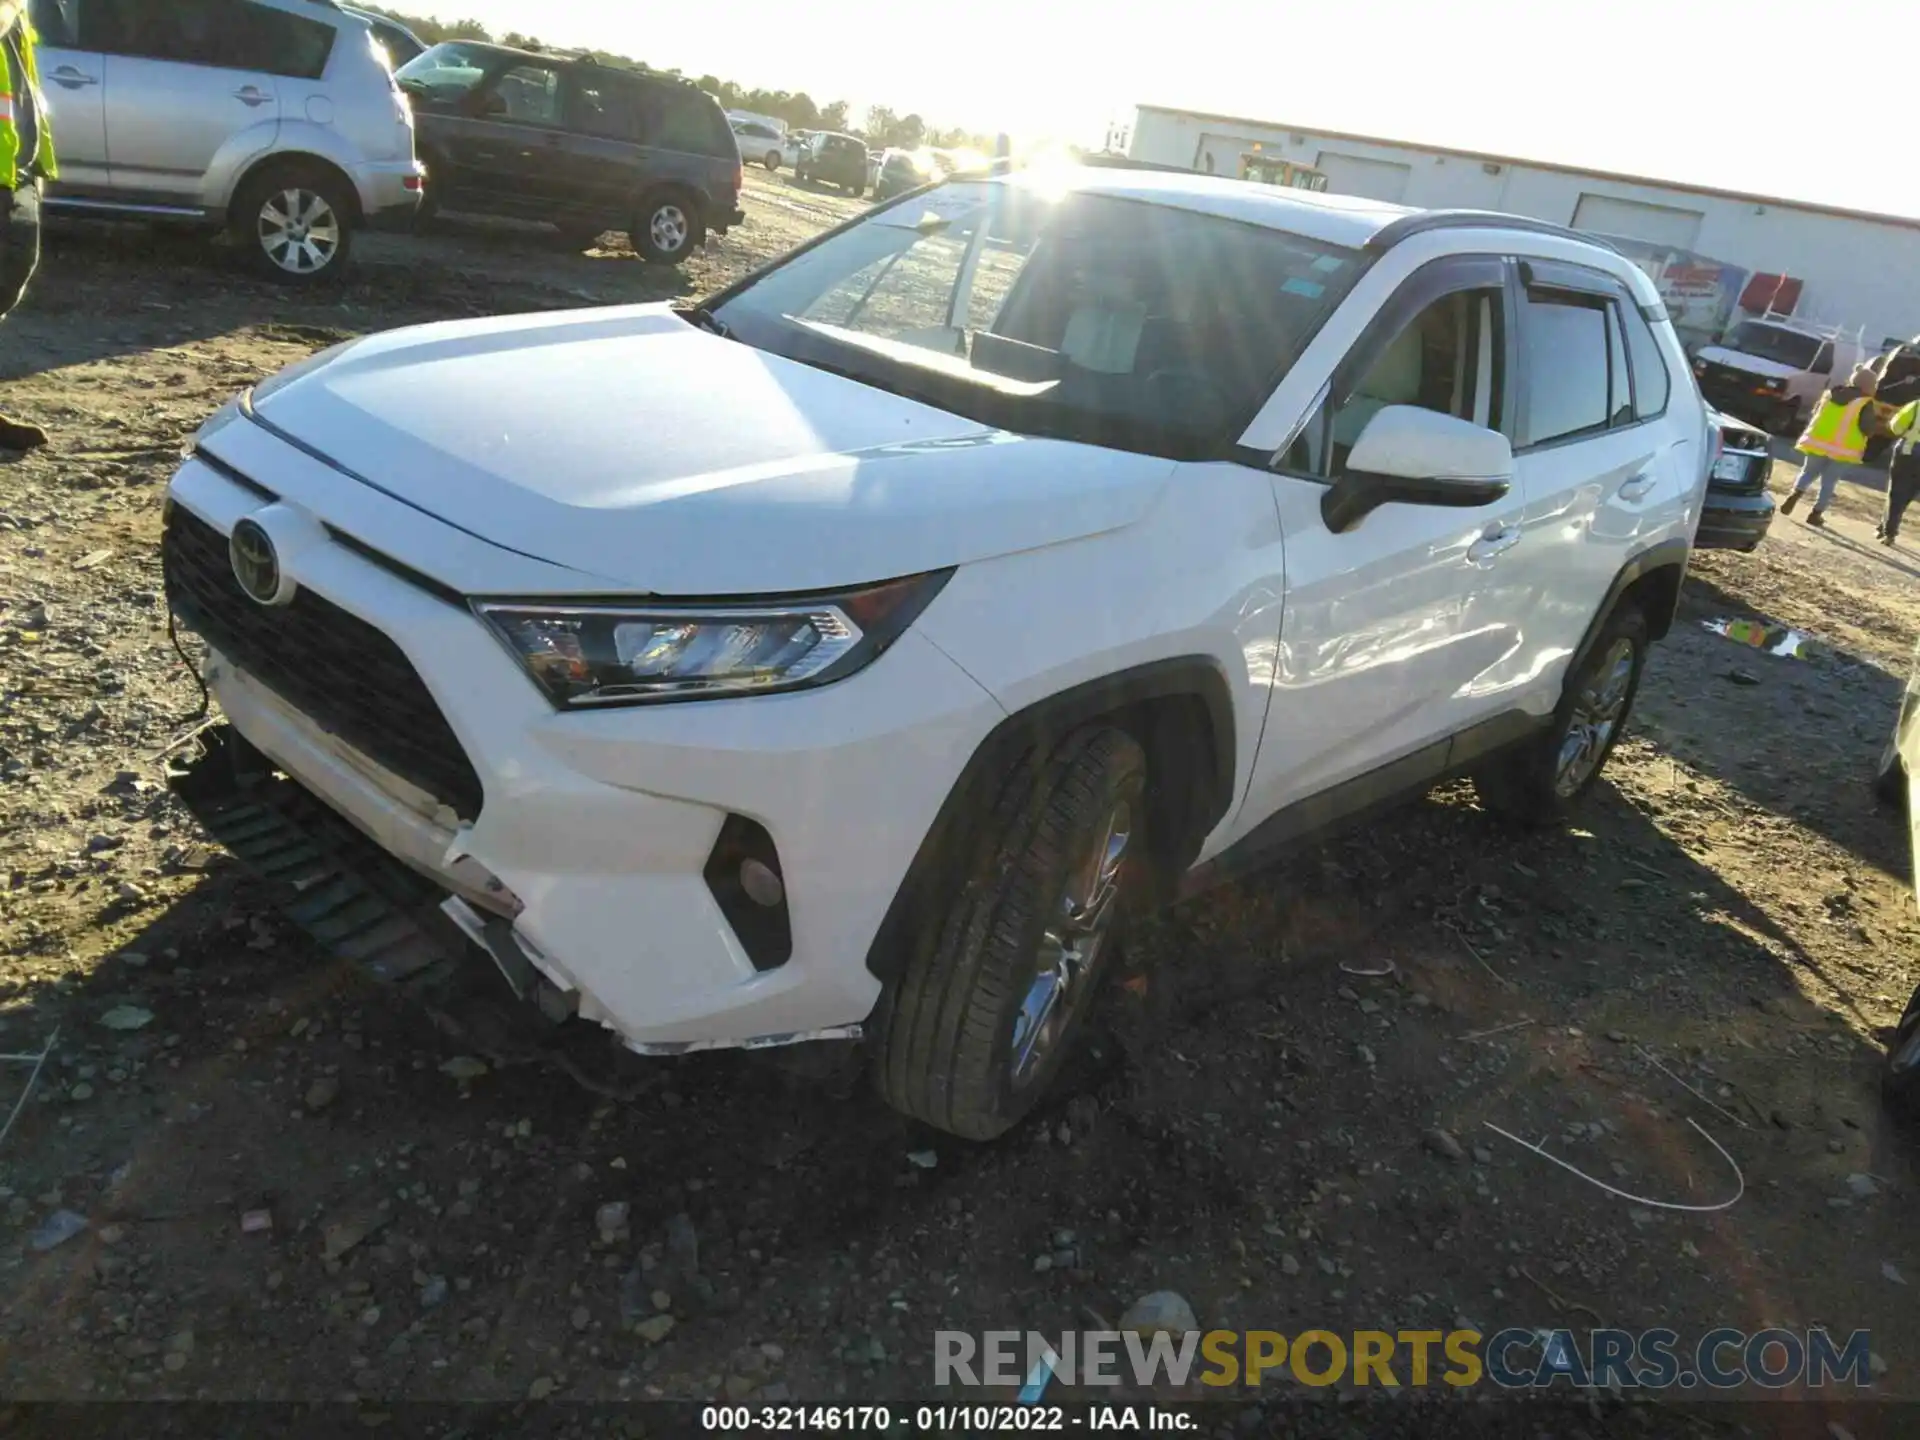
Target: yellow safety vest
x,y
9,132
1835,431
1906,424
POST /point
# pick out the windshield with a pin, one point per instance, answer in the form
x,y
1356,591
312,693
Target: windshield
x,y
1773,342
446,72
1117,322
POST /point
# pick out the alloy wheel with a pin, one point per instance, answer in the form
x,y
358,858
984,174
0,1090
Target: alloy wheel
x,y
1070,947
300,231
1596,716
669,229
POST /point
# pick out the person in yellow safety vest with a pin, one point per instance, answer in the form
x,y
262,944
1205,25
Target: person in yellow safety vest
x,y
1836,436
1903,469
26,160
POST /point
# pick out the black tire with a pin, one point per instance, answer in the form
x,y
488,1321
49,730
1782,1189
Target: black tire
x,y
295,222
946,1047
772,160
652,226
1890,775
1784,422
1900,1070
857,189
1538,783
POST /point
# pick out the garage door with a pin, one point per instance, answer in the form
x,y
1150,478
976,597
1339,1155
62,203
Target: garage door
x,y
1354,175
1661,224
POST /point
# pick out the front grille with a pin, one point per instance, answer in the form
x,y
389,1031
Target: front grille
x,y
337,670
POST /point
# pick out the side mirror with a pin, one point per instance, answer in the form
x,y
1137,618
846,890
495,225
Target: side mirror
x,y
1411,456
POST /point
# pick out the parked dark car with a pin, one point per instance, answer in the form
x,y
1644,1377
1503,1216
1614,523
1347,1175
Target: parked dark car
x,y
400,43
834,159
1737,510
586,147
901,171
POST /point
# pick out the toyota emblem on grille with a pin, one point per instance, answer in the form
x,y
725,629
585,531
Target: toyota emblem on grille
x,y
256,565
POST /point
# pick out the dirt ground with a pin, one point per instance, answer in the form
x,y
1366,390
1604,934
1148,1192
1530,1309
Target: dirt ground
x,y
1252,1127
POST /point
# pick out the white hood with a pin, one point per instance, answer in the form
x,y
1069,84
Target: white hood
x,y
630,444
1752,364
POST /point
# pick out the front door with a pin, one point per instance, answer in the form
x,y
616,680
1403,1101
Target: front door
x,y
1392,627
187,83
503,150
73,78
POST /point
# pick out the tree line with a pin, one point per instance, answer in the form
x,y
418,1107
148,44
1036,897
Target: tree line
x,y
880,126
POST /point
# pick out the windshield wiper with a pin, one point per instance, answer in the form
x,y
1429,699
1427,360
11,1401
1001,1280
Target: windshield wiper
x,y
704,317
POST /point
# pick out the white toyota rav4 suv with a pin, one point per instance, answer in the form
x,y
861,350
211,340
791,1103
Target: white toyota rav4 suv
x,y
1091,535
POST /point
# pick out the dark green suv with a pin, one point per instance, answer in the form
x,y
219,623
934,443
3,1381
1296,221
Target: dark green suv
x,y
586,147
834,160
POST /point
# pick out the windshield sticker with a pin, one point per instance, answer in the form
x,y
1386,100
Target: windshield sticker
x,y
1328,262
1294,285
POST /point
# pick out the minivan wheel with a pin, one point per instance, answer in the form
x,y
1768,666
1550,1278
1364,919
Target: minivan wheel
x,y
1540,782
297,224
773,160
669,228
992,998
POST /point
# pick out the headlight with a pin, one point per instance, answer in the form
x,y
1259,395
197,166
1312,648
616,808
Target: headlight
x,y
588,655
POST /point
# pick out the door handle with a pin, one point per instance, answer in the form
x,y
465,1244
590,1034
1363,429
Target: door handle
x,y
1496,541
69,78
1637,487
251,95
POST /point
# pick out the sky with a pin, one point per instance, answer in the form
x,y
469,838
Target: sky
x,y
1809,102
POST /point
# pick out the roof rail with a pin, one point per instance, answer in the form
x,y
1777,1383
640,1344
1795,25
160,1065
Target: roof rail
x,y
1407,226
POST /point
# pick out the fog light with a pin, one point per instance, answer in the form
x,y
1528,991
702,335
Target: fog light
x,y
743,875
763,887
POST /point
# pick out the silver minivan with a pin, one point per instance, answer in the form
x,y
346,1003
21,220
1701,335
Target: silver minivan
x,y
277,120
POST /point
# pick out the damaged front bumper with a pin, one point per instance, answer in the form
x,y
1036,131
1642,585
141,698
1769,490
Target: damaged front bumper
x,y
362,903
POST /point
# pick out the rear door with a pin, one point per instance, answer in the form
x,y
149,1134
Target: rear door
x,y
193,84
73,77
1604,479
598,163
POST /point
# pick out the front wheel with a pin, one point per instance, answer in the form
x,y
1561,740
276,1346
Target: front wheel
x,y
669,228
1900,1072
772,160
992,999
296,223
1540,782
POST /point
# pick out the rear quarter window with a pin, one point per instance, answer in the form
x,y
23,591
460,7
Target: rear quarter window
x,y
1652,381
691,121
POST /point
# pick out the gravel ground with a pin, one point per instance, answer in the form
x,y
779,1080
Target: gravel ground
x,y
293,1187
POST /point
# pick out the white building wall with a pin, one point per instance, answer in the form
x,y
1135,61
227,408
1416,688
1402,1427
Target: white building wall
x,y
1858,272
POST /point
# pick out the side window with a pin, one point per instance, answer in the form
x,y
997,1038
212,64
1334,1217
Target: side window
x,y
526,95
1619,384
1823,358
227,34
1652,382
689,121
1567,369
605,108
55,20
1451,357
